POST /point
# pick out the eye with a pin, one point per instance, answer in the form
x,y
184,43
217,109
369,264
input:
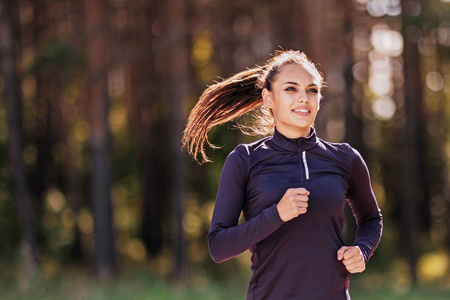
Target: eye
x,y
290,89
313,90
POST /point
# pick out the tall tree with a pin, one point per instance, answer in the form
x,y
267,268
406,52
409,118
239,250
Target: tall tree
x,y
352,106
56,66
413,139
177,55
43,135
144,109
13,104
98,64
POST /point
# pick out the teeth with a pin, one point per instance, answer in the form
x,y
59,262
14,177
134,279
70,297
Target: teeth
x,y
302,110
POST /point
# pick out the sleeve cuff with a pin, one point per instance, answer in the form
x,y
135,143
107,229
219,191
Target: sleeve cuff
x,y
276,216
365,251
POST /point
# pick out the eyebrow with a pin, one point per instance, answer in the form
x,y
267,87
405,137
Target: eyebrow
x,y
295,83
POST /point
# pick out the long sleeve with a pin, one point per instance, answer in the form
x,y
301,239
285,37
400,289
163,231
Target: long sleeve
x,y
227,239
364,206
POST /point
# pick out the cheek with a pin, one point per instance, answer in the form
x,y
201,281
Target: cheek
x,y
280,102
316,103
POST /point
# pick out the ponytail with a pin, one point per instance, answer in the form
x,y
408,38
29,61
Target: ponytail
x,y
220,103
235,96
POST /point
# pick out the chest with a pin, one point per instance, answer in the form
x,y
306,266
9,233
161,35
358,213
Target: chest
x,y
326,178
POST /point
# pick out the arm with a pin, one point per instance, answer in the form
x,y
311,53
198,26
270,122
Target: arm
x,y
364,206
227,239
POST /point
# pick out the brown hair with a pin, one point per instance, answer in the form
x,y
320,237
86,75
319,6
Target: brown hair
x,y
235,96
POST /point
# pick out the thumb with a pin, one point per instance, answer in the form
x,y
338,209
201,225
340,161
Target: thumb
x,y
340,253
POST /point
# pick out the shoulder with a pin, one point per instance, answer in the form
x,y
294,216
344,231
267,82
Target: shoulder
x,y
238,161
250,149
244,154
345,153
341,150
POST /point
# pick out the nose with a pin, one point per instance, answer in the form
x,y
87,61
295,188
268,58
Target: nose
x,y
303,97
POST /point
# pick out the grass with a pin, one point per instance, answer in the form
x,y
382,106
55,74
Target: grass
x,y
392,294
376,286
76,284
140,284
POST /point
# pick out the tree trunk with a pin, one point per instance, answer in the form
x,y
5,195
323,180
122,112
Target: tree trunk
x,y
143,108
177,79
74,194
69,112
352,108
413,141
13,106
100,139
289,25
43,137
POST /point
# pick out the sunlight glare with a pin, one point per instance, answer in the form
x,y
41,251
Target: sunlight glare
x,y
136,250
85,221
434,81
433,265
381,85
379,8
55,199
384,108
385,41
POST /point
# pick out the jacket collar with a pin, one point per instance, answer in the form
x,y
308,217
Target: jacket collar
x,y
295,145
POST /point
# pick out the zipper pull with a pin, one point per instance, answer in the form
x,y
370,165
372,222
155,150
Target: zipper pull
x,y
305,164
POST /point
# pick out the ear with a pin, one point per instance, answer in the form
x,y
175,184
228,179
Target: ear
x,y
267,98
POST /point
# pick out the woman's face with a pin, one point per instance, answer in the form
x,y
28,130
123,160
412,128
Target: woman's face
x,y
294,100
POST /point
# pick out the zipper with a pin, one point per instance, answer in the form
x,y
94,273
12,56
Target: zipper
x,y
305,164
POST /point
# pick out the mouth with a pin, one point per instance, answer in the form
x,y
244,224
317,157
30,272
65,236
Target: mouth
x,y
303,111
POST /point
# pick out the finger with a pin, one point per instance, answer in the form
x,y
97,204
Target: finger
x,y
352,260
302,204
302,210
352,255
302,198
351,252
356,268
298,203
298,197
340,253
299,191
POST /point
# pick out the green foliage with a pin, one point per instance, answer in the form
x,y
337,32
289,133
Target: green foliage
x,y
140,284
9,224
57,58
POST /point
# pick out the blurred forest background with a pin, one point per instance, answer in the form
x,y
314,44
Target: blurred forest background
x,y
95,95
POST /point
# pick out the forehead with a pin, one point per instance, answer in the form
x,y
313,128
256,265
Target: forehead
x,y
296,73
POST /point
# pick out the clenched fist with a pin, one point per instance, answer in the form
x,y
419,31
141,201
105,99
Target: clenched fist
x,y
293,203
352,258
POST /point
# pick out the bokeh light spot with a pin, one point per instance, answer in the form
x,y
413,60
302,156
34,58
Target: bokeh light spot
x,y
384,108
434,81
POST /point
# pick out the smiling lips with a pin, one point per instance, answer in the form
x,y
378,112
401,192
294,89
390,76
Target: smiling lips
x,y
302,111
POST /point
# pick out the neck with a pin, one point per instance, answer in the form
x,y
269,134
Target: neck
x,y
295,134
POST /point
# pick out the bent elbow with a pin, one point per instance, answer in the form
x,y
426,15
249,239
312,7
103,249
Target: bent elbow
x,y
216,257
214,251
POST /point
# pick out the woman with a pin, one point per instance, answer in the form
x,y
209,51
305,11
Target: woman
x,y
291,186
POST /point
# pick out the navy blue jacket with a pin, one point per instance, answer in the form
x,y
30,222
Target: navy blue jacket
x,y
295,259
